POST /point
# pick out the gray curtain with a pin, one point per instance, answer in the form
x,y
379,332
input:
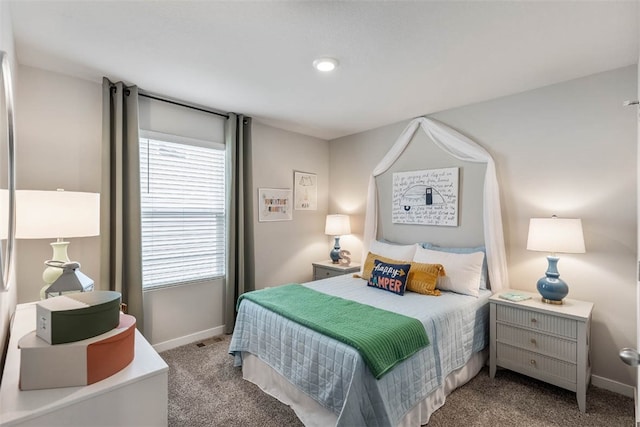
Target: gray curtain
x,y
121,250
240,258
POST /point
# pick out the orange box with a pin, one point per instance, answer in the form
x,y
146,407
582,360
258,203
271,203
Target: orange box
x,y
43,365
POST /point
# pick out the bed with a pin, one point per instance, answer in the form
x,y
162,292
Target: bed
x,y
325,380
328,383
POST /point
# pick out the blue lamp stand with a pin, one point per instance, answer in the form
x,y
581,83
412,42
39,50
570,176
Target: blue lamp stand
x,y
335,252
337,225
552,288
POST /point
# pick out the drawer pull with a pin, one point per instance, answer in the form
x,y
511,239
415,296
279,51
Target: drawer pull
x,y
534,320
532,362
533,342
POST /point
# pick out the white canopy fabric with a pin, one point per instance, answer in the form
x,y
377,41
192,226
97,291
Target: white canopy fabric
x,y
463,148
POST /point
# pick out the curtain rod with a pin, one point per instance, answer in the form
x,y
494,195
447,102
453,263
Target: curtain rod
x,y
170,101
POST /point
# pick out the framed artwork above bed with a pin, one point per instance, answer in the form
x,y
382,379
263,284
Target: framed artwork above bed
x,y
426,197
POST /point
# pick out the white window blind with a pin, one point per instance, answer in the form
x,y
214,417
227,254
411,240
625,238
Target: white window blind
x,y
183,211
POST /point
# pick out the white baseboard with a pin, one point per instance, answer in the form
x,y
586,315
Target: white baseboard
x,y
188,339
614,386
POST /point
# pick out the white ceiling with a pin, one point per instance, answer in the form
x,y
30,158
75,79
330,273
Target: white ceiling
x,y
397,59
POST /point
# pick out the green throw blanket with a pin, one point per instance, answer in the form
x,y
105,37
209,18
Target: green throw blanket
x,y
383,338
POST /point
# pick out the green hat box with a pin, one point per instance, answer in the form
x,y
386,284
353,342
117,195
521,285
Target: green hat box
x,y
77,316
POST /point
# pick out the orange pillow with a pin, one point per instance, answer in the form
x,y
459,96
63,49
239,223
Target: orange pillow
x,y
368,264
424,277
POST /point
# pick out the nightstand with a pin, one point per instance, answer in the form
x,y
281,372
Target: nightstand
x,y
544,341
325,269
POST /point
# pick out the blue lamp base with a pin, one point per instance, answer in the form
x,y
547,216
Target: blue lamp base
x,y
335,252
551,287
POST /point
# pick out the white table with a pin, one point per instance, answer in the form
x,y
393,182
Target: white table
x,y
135,396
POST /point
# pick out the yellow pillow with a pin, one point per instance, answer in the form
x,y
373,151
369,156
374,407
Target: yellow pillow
x,y
424,277
368,264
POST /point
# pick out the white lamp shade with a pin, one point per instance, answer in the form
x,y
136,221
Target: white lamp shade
x,y
337,225
56,214
556,235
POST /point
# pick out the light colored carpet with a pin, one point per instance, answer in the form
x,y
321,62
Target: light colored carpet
x,y
206,390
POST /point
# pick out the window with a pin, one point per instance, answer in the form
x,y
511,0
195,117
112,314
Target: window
x,y
182,186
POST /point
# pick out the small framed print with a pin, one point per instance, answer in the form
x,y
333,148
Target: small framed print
x,y
306,191
274,204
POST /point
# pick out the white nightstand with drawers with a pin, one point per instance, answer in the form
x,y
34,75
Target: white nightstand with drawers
x,y
325,269
544,341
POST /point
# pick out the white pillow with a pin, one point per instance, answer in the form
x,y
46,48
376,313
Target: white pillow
x,y
463,271
397,252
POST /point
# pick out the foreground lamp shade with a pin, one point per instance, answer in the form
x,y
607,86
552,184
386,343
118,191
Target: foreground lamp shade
x,y
555,235
56,215
337,225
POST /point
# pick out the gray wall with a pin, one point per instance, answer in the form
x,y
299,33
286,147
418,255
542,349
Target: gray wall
x,y
284,250
567,149
59,123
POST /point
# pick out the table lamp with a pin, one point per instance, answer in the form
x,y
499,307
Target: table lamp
x,y
56,214
337,225
555,235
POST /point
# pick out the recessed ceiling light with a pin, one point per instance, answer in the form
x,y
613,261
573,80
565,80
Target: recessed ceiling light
x,y
325,64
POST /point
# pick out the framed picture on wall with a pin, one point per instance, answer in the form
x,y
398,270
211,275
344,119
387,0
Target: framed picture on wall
x,y
426,197
274,204
306,191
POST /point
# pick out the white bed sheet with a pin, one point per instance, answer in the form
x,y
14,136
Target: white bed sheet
x,y
313,415
334,374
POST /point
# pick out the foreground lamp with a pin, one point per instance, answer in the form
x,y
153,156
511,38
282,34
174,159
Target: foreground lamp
x,y
336,226
555,235
61,215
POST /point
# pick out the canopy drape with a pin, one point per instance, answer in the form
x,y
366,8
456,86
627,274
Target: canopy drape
x,y
462,148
